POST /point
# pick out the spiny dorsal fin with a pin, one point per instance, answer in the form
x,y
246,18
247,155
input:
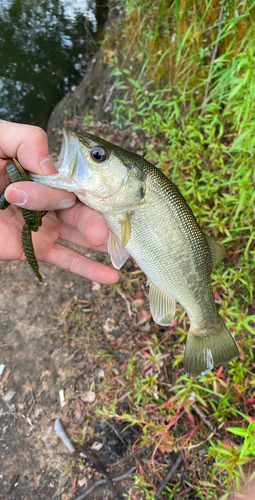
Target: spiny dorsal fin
x,y
125,229
118,254
216,250
162,306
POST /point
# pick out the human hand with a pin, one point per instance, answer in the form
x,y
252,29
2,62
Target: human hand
x,y
67,219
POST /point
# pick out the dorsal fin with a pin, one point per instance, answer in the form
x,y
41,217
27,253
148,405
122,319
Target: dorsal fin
x,y
217,252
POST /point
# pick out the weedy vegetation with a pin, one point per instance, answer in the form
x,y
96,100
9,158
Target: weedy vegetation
x,y
186,86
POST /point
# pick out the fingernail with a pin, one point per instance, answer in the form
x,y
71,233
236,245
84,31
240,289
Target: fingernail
x,y
47,165
65,204
17,196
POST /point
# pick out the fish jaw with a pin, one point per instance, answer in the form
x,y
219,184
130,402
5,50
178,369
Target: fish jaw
x,y
73,169
55,180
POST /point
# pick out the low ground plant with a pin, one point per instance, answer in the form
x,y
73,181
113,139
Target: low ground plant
x,y
187,90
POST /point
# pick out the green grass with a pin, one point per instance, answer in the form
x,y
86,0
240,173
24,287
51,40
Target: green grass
x,y
205,144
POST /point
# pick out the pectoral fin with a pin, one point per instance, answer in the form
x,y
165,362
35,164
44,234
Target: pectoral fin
x,y
216,250
162,306
125,230
118,254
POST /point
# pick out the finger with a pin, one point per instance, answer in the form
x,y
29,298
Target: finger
x,y
10,234
79,264
73,235
89,222
27,143
35,196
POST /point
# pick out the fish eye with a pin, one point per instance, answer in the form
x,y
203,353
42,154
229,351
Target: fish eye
x,y
98,154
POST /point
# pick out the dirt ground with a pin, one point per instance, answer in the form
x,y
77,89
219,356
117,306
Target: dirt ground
x,y
38,363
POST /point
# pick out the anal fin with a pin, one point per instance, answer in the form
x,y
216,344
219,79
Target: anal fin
x,y
162,306
118,254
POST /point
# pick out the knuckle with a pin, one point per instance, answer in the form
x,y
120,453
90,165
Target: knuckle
x,y
74,264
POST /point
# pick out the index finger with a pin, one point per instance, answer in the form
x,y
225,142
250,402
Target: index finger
x,y
27,143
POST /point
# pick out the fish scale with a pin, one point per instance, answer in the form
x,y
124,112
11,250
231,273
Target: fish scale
x,y
150,219
146,244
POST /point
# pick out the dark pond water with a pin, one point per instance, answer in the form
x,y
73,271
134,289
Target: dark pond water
x,y
44,49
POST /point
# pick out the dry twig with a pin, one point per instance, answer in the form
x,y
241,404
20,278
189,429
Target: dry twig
x,y
122,294
104,481
101,467
168,476
131,454
34,402
207,422
31,390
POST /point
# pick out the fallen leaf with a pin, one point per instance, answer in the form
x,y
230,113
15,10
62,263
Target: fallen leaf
x,y
89,397
95,286
138,302
97,446
109,325
6,375
68,286
8,397
100,373
83,482
142,316
166,447
45,373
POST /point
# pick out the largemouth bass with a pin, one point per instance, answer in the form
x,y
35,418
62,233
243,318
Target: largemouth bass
x,y
149,219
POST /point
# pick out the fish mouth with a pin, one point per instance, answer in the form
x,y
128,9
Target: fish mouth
x,y
63,155
70,146
71,164
68,153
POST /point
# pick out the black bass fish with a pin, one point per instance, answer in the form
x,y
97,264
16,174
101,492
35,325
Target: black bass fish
x,y
149,219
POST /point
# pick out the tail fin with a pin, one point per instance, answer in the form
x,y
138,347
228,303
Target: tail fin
x,y
204,350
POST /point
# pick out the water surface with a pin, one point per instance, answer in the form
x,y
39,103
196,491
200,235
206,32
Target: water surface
x,y
44,49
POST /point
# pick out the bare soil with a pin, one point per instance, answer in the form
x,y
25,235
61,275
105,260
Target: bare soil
x,y
44,352
41,358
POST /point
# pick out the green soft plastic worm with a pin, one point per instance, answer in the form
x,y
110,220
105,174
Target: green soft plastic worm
x,y
32,218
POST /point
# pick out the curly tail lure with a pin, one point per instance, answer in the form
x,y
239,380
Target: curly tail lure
x,y
33,219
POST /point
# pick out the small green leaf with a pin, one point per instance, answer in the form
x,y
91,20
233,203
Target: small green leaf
x,y
237,431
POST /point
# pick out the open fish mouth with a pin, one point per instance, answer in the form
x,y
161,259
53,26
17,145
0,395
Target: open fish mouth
x,y
71,164
68,154
64,154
